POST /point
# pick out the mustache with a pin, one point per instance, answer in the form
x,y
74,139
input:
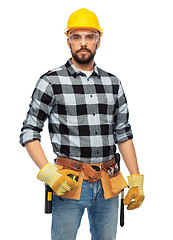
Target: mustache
x,y
84,48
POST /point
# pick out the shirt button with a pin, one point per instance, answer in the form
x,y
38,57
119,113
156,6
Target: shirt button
x,y
91,95
93,114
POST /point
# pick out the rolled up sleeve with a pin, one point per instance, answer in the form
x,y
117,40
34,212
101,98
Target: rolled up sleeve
x,y
122,128
39,110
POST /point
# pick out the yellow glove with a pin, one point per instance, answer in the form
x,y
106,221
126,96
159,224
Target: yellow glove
x,y
57,179
135,191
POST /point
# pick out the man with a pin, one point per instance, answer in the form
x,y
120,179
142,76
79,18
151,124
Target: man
x,y
87,113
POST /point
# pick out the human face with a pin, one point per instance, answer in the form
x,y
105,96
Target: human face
x,y
83,52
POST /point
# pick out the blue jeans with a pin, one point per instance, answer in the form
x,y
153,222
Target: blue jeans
x,y
102,214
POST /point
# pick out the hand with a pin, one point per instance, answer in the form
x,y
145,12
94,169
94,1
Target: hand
x,y
135,195
57,179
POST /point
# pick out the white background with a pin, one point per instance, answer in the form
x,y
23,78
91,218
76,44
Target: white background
x,y
137,46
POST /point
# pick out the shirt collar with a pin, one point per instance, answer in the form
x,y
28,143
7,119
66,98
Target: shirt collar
x,y
74,71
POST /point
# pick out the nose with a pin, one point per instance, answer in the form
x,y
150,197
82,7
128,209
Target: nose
x,y
83,41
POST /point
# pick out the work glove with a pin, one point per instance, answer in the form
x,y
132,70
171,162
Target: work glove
x,y
57,179
135,195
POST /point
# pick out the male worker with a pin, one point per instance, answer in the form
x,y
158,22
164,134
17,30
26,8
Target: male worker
x,y
87,114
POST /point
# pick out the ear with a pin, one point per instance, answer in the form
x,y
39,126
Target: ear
x,y
68,43
98,43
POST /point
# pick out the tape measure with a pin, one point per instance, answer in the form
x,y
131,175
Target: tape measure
x,y
73,177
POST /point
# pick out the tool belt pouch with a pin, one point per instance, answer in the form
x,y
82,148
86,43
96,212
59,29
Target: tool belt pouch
x,y
117,182
73,194
113,184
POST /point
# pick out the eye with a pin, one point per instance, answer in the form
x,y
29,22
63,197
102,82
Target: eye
x,y
76,37
90,37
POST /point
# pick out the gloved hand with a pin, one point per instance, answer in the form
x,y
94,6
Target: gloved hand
x,y
135,195
57,179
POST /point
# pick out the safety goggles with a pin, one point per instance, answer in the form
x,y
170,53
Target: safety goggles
x,y
89,38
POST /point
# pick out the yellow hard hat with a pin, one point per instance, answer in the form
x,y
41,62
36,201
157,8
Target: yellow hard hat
x,y
83,18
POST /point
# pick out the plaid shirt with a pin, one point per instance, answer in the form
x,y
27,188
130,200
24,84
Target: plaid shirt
x,y
86,116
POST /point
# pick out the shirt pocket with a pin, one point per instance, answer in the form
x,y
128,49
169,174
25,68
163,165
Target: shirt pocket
x,y
106,108
76,109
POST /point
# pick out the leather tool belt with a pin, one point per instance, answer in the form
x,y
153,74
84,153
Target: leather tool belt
x,y
108,172
92,172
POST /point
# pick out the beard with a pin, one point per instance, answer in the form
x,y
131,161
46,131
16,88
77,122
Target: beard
x,y
82,58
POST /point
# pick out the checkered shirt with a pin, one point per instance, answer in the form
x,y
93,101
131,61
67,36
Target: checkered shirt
x,y
86,116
